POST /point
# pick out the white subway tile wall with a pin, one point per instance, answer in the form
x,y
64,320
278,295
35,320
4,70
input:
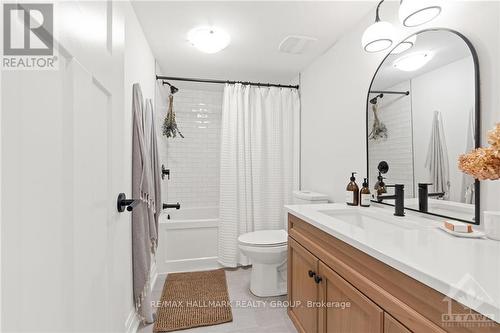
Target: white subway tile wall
x,y
395,112
193,160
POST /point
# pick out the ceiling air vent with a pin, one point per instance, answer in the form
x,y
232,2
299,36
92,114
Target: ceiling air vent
x,y
296,44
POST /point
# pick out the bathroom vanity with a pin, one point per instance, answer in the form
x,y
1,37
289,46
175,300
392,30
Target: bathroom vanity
x,y
353,269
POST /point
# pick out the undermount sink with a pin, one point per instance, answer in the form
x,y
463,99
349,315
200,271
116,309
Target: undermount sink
x,y
374,218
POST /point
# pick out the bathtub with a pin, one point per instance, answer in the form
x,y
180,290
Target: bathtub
x,y
197,227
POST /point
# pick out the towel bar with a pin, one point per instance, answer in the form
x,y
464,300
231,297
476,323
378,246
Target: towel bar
x,y
123,202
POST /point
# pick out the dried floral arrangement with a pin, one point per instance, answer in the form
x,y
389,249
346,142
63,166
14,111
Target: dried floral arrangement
x,y
483,163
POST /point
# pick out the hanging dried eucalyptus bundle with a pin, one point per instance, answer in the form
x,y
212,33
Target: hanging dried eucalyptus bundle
x,y
379,130
170,129
483,163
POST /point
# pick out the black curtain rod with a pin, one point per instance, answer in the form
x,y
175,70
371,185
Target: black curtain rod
x,y
390,92
172,78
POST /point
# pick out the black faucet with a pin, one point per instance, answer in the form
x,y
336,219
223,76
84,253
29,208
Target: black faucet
x,y
423,195
399,196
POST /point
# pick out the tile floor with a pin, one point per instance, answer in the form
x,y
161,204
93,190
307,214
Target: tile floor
x,y
268,319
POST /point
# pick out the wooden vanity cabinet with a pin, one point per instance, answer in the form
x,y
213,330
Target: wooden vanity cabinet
x,y
324,273
391,325
344,308
302,288
322,301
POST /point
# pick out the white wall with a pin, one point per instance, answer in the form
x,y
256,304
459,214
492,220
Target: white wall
x,y
449,90
139,67
334,91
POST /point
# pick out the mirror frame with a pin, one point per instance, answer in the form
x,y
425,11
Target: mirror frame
x,y
477,134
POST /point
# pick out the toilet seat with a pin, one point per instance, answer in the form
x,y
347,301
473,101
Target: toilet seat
x,y
264,238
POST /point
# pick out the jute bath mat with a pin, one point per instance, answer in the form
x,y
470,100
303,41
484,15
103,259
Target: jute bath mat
x,y
193,299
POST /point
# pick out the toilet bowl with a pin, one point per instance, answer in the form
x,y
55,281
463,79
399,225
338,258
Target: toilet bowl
x,y
267,251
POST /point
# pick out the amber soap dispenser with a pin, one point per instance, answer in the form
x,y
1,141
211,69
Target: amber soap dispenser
x,y
365,196
352,192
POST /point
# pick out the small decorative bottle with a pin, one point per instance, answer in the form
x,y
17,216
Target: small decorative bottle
x,y
364,195
352,192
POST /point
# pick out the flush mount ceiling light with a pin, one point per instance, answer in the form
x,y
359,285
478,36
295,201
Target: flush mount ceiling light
x,y
413,61
405,45
379,36
416,12
209,39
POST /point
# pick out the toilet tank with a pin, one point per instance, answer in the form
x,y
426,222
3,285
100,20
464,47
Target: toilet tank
x,y
309,197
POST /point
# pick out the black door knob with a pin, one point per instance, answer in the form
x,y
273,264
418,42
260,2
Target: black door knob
x,y
318,279
311,273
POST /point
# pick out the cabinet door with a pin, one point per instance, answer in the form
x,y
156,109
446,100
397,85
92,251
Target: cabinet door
x,y
391,325
343,308
302,268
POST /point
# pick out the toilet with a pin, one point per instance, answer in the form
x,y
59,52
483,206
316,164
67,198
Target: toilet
x,y
267,251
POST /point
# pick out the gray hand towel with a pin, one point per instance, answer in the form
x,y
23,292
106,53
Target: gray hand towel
x,y
141,215
155,173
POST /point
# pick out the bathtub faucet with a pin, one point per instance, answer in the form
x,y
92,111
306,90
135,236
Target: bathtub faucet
x,y
176,206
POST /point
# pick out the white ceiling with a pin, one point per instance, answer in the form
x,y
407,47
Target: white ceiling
x,y
256,29
445,46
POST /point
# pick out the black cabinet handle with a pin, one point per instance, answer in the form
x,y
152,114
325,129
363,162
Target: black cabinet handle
x,y
122,202
311,274
318,279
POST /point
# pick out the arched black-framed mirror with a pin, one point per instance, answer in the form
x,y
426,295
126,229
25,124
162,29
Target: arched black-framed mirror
x,y
422,112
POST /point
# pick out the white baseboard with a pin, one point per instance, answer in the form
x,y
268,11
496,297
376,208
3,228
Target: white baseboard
x,y
132,323
190,265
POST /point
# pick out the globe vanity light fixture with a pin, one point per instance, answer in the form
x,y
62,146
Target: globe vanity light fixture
x,y
413,13
379,36
405,45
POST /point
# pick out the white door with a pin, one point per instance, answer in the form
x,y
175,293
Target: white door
x,y
62,169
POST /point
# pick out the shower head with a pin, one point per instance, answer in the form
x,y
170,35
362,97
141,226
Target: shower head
x,y
374,100
173,89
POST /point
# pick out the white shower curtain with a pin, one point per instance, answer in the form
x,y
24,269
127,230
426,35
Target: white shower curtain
x,y
259,163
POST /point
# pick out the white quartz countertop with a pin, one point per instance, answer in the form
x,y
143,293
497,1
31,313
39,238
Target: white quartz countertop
x,y
464,269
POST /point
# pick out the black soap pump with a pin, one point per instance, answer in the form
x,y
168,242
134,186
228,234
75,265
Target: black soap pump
x,y
352,192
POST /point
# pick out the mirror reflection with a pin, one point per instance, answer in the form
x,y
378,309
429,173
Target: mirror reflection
x,y
421,117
